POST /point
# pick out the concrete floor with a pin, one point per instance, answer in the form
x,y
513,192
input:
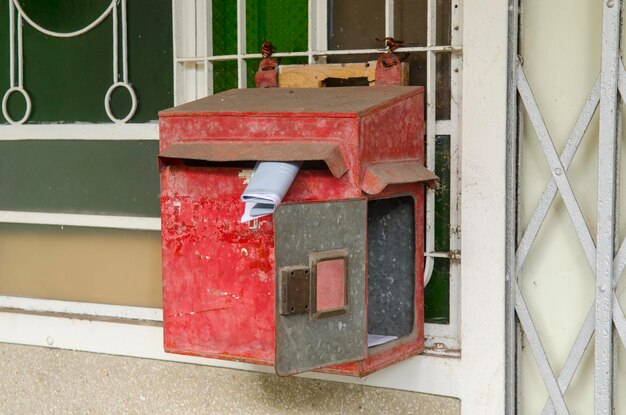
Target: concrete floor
x,y
35,380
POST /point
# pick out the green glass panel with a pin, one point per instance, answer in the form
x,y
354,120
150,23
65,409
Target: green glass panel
x,y
224,27
224,76
67,78
75,176
284,23
442,194
437,294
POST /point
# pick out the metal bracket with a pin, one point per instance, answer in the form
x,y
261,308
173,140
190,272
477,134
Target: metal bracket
x,y
388,70
295,290
267,75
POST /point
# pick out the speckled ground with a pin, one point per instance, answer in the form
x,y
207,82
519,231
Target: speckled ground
x,y
35,380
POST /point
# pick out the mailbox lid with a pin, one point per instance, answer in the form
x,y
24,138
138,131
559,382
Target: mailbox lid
x,y
305,234
341,101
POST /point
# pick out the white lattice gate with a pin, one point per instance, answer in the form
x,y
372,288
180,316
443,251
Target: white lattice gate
x,y
603,253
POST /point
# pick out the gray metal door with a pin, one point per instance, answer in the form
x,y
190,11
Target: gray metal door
x,y
308,235
606,262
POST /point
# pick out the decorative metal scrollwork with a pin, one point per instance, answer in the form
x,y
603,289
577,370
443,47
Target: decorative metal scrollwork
x,y
16,18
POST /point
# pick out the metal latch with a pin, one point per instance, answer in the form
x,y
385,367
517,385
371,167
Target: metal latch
x,y
295,290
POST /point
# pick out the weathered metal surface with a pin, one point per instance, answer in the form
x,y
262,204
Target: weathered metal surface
x,y
391,266
377,176
573,142
552,158
608,149
284,101
246,149
267,75
605,265
388,70
219,275
294,290
304,342
385,355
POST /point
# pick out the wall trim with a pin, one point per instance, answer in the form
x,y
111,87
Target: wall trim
x,y
440,375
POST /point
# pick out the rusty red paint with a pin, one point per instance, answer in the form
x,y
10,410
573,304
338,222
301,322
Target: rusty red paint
x,y
219,274
267,75
379,175
253,149
388,70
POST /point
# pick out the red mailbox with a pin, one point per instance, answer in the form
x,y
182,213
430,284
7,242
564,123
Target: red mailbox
x,y
337,269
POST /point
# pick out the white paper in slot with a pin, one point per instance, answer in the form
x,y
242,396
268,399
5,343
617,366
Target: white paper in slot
x,y
268,186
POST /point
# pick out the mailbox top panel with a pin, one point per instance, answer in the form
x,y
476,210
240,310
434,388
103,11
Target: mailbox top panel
x,y
341,101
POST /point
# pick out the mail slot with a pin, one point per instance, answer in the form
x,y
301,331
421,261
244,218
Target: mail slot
x,y
333,280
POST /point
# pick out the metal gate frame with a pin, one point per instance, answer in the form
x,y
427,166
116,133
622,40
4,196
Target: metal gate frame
x,y
606,264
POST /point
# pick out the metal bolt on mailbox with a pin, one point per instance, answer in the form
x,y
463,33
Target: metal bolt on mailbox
x,y
332,281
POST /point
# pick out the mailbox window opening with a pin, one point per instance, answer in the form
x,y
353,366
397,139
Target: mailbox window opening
x,y
391,266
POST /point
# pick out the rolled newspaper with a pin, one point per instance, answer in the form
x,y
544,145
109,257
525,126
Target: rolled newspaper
x,y
268,186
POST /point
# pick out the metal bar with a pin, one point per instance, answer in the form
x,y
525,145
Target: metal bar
x,y
20,52
124,43
208,32
389,18
312,30
431,23
445,127
11,44
201,69
79,32
321,29
573,358
512,138
571,204
619,319
241,44
619,263
538,352
115,62
431,117
620,258
438,254
434,49
456,94
606,208
177,68
573,142
556,167
189,34
318,28
582,341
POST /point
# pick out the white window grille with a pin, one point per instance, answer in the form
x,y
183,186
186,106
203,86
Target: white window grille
x,y
17,130
193,79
